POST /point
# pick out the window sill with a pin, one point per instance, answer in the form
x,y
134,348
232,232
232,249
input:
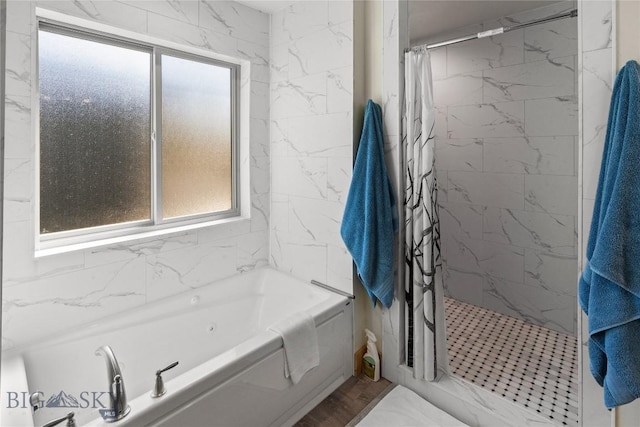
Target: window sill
x,y
64,247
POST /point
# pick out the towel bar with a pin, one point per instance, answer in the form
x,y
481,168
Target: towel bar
x,y
332,289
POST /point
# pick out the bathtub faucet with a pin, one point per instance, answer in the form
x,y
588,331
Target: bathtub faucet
x,y
118,398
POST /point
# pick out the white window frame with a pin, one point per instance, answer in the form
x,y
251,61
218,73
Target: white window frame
x,y
79,239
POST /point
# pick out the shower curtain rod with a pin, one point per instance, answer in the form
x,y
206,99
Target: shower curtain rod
x,y
571,14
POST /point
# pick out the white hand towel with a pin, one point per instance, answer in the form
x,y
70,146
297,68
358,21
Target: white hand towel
x,y
300,338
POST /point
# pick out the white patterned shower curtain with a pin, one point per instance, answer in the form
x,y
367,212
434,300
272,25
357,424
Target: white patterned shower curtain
x,y
426,343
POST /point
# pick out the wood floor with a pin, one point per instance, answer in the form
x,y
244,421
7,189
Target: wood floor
x,y
344,404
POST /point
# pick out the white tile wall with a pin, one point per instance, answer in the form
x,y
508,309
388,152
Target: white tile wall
x,y
597,60
507,119
311,139
78,287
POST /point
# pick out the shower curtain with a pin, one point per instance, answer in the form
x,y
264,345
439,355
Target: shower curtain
x,y
426,342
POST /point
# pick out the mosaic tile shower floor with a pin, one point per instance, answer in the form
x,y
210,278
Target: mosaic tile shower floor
x,y
533,366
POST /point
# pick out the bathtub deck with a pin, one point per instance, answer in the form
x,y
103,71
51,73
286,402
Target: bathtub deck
x,y
344,404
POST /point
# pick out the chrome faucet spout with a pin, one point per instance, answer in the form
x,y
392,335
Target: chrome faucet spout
x,y
118,398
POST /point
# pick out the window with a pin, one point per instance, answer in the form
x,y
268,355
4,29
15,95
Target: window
x,y
132,136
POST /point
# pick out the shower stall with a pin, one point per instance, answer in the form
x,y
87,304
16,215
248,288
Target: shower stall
x,y
506,148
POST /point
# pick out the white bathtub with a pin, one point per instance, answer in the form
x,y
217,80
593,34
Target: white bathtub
x,y
231,367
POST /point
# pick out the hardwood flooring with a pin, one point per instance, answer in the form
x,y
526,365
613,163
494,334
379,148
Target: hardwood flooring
x,y
344,404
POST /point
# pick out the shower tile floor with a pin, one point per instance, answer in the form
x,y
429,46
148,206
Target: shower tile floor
x,y
533,366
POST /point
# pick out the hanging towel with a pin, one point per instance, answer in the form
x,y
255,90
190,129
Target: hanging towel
x,y
370,216
610,283
300,339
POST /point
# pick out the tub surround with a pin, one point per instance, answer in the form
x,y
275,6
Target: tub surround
x,y
312,104
228,360
81,286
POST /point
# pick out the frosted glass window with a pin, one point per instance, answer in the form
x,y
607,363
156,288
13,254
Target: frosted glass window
x,y
196,137
95,133
132,136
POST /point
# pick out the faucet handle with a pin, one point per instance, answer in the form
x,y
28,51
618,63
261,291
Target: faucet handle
x,y
158,388
68,418
36,400
173,365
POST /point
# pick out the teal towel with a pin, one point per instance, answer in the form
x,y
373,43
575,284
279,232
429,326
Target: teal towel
x,y
370,218
610,283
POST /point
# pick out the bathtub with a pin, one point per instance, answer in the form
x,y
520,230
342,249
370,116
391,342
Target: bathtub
x,y
230,371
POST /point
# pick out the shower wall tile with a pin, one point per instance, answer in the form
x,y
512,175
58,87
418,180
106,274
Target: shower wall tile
x,y
538,306
553,272
458,89
279,62
551,194
509,157
599,33
259,141
72,298
311,139
299,176
191,35
340,90
324,50
299,20
234,19
489,259
530,155
119,14
597,80
441,122
317,220
20,145
302,257
259,57
598,62
438,64
252,252
186,11
550,40
321,135
18,189
463,285
487,189
99,256
534,230
532,80
339,179
490,52
173,272
442,182
503,119
18,65
82,286
299,97
459,154
20,13
552,116
339,12
460,220
339,268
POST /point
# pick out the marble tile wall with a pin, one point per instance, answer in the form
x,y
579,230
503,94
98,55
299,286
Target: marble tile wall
x,y
595,66
49,295
597,74
506,150
311,139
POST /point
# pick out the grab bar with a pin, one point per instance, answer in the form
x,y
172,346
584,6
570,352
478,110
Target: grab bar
x,y
332,289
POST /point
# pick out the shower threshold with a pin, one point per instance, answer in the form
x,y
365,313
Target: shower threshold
x,y
532,366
